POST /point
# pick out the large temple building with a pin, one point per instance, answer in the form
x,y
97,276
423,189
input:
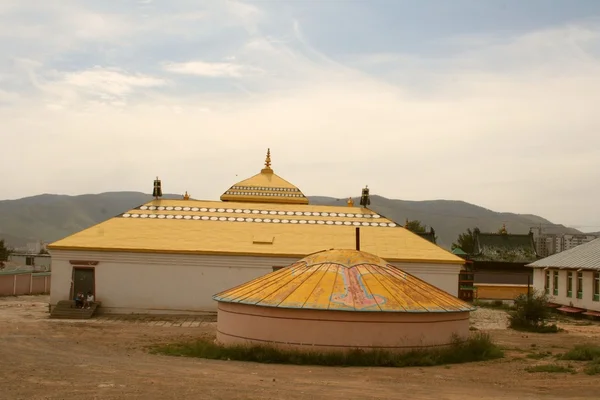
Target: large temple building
x,y
336,300
170,256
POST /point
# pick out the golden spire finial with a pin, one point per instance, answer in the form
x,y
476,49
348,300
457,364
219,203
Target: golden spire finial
x,y
186,196
268,159
267,167
350,202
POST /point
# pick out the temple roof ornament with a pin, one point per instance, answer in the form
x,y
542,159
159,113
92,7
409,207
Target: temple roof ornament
x,y
157,191
265,187
267,167
365,199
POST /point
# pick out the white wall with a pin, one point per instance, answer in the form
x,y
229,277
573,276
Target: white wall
x,y
443,276
143,282
586,302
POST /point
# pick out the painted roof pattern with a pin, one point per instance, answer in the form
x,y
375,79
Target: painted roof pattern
x,y
499,247
214,227
265,187
344,280
584,256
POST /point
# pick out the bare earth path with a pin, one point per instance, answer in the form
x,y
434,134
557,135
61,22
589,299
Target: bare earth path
x,y
106,358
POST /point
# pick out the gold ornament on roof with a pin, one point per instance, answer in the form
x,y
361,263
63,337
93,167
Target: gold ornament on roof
x,y
350,202
186,196
503,231
267,167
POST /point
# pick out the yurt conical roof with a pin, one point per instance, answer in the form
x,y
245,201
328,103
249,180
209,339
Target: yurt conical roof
x,y
343,280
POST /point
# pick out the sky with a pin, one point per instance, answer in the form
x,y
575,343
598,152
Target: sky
x,y
490,102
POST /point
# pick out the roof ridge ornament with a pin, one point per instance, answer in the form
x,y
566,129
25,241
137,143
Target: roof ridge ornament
x,y
365,200
157,192
267,168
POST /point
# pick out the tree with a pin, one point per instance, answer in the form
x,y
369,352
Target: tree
x,y
4,251
415,226
466,241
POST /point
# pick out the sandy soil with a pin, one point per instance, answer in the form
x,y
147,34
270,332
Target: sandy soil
x,y
107,359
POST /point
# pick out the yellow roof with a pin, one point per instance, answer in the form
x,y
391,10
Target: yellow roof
x,y
286,230
266,187
343,280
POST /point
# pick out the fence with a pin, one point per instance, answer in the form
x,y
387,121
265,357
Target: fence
x,y
22,283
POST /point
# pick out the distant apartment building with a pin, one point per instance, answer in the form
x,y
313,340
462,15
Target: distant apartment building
x,y
548,244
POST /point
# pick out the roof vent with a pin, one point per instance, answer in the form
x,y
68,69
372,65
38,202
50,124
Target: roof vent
x,y
263,239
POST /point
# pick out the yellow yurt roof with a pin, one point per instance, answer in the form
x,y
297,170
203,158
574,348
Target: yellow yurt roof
x,y
343,280
266,187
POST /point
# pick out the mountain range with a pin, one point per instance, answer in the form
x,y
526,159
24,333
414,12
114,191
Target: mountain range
x,y
49,217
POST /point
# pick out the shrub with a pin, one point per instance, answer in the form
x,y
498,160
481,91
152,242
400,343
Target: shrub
x,y
479,347
531,313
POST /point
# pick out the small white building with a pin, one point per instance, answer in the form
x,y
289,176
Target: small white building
x,y
29,261
571,278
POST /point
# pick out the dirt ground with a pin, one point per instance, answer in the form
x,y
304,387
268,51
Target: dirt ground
x,y
107,359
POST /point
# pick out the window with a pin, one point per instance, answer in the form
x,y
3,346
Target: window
x,y
596,286
569,284
555,283
547,283
29,261
580,285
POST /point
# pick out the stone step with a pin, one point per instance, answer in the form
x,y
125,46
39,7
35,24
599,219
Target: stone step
x,y
66,310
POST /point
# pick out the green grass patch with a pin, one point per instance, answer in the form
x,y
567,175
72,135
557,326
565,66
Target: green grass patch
x,y
552,368
593,368
583,352
539,356
479,347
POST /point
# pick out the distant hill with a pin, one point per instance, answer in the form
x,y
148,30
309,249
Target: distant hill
x,y
51,217
450,218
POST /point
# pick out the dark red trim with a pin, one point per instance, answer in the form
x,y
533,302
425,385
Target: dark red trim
x,y
83,262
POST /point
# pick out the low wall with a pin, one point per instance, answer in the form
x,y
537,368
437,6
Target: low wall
x,y
499,291
22,283
316,330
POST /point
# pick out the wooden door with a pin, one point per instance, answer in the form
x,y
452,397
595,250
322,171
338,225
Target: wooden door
x,y
83,281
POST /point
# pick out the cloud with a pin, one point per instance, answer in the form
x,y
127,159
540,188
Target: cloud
x,y
499,120
201,68
110,81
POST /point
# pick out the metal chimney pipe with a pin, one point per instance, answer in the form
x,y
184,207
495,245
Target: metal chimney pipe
x,y
358,239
